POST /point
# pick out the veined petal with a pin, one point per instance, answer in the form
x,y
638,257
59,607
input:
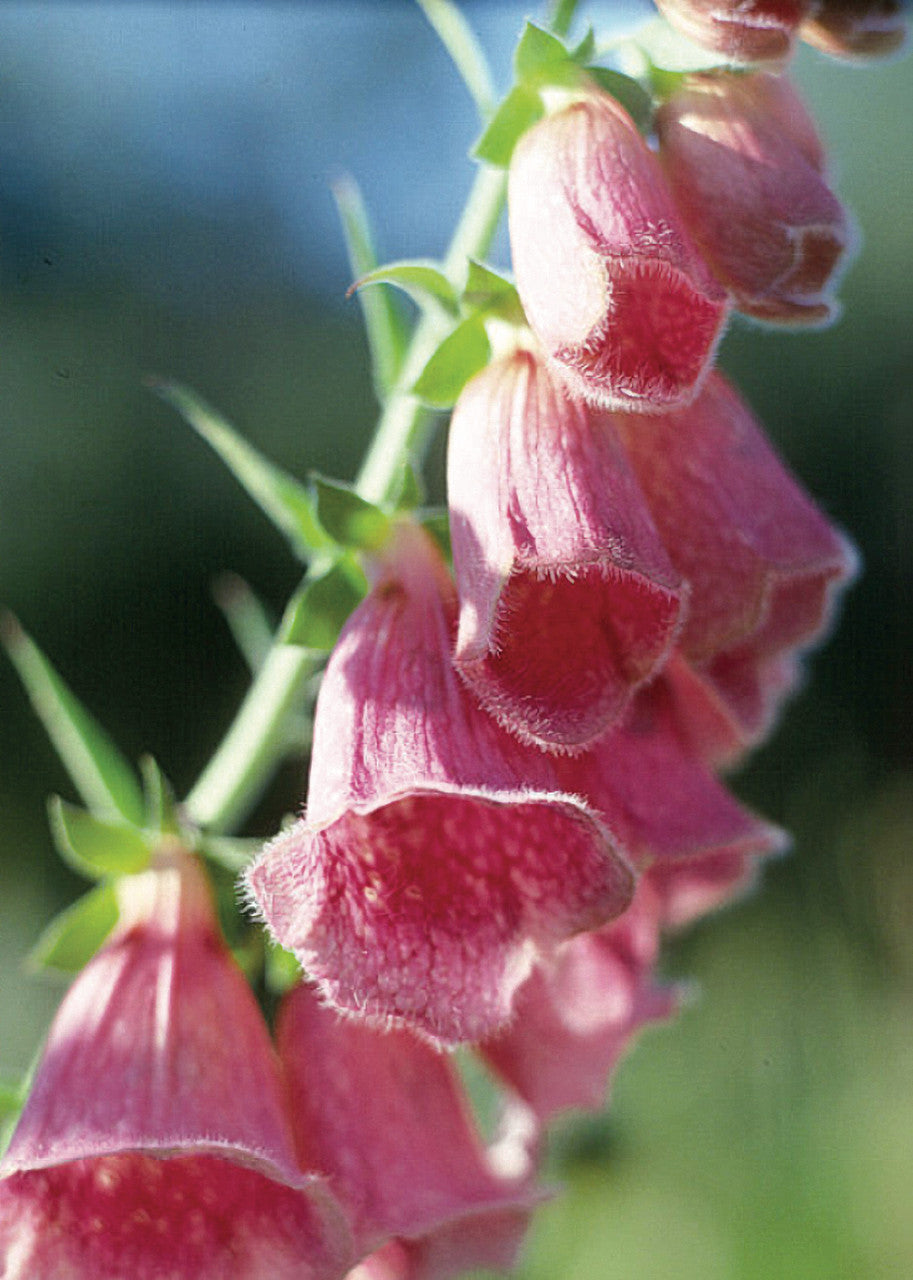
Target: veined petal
x,y
608,275
744,30
438,856
568,601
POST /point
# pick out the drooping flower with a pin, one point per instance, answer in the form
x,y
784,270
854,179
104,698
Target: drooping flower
x,y
856,28
437,857
743,30
425,1199
580,1011
762,562
746,167
608,275
155,1141
568,600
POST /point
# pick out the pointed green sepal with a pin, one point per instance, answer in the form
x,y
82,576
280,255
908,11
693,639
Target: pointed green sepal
x,y
423,281
94,847
541,58
462,353
387,331
520,109
317,613
282,498
629,92
586,49
492,294
73,937
161,805
349,519
100,773
282,970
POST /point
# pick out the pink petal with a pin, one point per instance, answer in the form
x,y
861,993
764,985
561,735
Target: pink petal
x,y
407,1157
438,856
857,29
158,1072
609,278
744,30
746,168
755,550
685,891
567,599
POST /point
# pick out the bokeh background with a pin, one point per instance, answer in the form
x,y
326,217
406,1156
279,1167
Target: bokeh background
x,y
165,208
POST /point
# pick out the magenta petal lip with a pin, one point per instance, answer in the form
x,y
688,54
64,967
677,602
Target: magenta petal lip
x,y
568,600
611,282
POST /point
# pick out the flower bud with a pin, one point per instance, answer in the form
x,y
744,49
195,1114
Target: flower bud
x,y
568,600
856,28
743,30
610,279
438,856
155,1140
746,167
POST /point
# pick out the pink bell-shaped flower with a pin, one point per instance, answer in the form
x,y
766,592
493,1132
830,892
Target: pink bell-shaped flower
x,y
743,30
762,562
438,857
383,1115
610,280
856,29
568,601
746,167
581,1010
155,1141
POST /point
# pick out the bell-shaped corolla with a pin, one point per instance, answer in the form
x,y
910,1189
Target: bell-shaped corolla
x,y
581,1010
741,30
612,284
155,1141
762,561
568,601
746,166
383,1115
438,856
856,29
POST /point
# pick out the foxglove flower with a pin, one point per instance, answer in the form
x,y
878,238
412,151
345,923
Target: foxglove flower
x,y
407,1158
155,1141
762,561
856,28
609,277
438,857
746,166
568,600
581,1010
743,30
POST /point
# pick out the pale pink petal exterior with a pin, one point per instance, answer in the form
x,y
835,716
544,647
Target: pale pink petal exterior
x,y
383,1115
743,30
744,162
438,857
155,1140
611,282
579,1013
568,601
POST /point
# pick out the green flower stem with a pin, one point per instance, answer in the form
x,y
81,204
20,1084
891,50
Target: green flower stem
x,y
404,424
257,738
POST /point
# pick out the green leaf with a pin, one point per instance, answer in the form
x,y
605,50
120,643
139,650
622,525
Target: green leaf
x,y
73,937
630,93
460,42
463,353
538,55
520,109
317,614
388,334
247,618
101,775
349,519
94,847
422,280
282,498
492,294
161,807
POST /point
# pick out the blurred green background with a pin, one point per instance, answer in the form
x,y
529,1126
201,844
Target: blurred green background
x,y
165,208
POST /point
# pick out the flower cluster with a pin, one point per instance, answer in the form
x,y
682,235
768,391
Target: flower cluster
x,y
515,783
